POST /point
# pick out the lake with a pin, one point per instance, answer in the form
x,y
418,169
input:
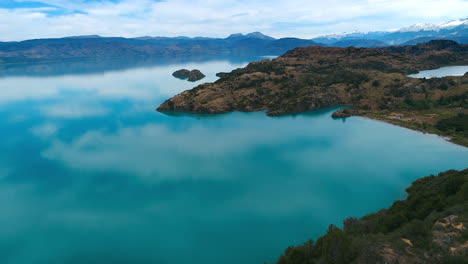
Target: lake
x,y
91,173
441,72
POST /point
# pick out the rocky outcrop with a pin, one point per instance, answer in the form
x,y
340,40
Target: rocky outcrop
x,y
191,76
195,75
182,74
311,78
447,233
221,74
344,113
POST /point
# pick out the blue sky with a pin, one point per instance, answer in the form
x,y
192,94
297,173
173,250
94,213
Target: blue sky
x,y
22,19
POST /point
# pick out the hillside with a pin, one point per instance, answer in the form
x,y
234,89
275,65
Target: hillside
x,y
373,81
430,226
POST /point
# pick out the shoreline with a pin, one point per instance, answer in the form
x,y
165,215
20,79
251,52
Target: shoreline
x,y
386,121
446,137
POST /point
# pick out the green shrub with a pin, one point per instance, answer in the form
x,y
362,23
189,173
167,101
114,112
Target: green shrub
x,y
458,123
335,247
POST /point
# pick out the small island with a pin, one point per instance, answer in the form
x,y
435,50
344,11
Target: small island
x,y
191,76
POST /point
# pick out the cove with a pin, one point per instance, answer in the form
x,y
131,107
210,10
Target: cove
x,y
90,173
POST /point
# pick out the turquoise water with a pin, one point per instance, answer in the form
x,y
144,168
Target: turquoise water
x,y
90,173
441,72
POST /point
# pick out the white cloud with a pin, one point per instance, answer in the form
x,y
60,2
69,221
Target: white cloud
x,y
301,18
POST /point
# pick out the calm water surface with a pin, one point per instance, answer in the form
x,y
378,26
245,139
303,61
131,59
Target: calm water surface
x,y
90,173
441,72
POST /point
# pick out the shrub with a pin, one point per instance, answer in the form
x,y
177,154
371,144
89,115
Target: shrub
x,y
458,123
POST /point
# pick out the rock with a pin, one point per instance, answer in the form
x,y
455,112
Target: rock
x,y
182,74
221,74
195,75
342,114
191,76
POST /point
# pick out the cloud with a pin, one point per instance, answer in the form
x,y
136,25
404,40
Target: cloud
x,y
301,18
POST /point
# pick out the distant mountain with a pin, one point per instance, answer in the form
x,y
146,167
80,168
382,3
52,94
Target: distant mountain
x,y
253,35
456,30
417,41
360,43
431,27
461,39
277,46
84,37
178,38
419,27
252,44
331,39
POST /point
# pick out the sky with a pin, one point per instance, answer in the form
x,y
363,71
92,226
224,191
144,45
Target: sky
x,y
28,19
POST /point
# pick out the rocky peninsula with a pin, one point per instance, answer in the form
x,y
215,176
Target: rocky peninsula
x,y
373,81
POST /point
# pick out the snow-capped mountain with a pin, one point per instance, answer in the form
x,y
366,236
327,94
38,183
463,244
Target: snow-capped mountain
x,y
419,27
344,34
431,27
453,24
456,30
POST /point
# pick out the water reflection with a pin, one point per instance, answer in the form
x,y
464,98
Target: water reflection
x,y
136,84
99,66
90,173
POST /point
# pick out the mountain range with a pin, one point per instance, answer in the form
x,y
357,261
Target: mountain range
x,y
252,44
146,47
456,30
